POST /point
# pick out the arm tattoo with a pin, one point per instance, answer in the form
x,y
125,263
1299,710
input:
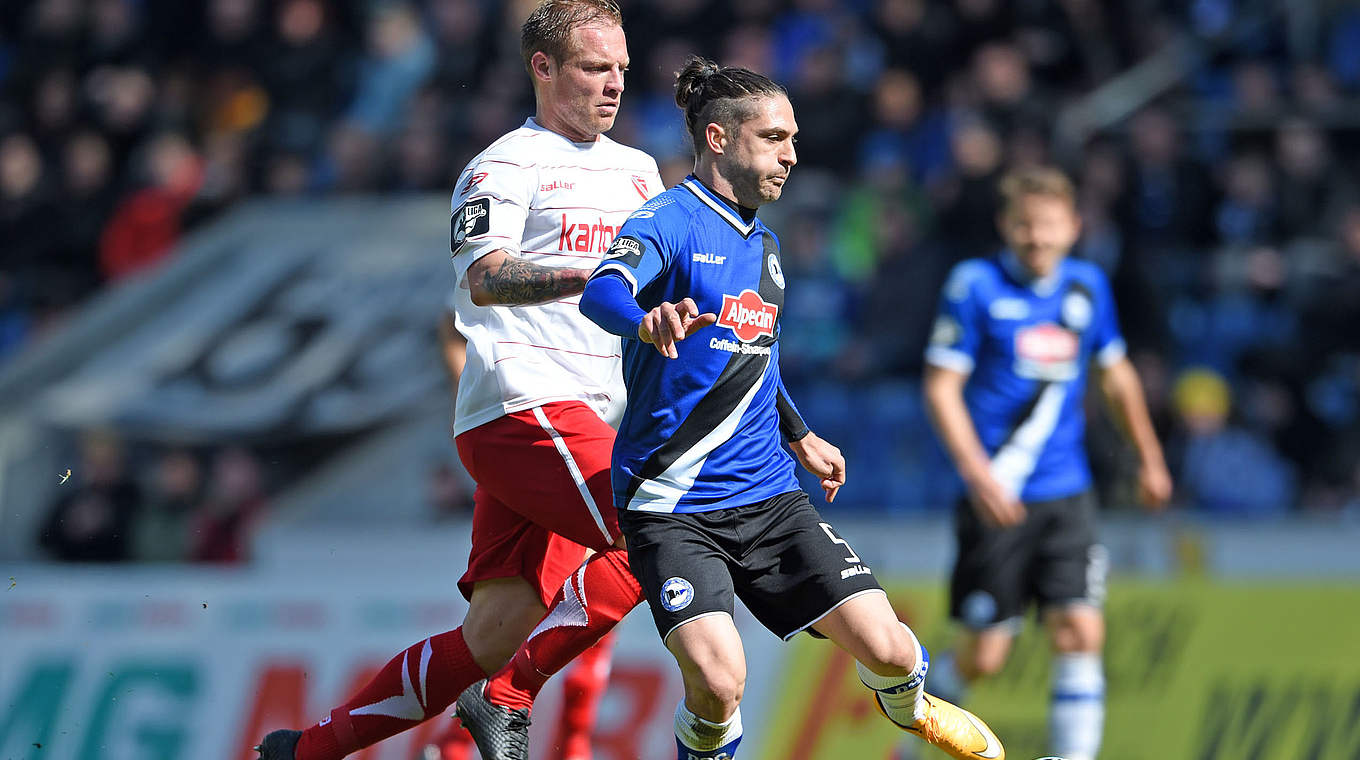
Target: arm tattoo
x,y
517,282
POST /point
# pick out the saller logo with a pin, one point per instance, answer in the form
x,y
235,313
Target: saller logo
x,y
748,315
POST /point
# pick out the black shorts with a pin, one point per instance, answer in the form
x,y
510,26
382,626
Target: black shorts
x,y
1052,558
785,562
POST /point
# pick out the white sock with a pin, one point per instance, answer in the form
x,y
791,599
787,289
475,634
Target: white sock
x,y
1076,716
901,695
702,738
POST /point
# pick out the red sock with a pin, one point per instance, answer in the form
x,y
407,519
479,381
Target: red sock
x,y
413,687
585,684
455,743
602,591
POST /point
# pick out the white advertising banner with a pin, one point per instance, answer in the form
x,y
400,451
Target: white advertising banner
x,y
195,664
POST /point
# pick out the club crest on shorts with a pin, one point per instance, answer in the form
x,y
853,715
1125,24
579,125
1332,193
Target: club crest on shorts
x,y
676,594
979,609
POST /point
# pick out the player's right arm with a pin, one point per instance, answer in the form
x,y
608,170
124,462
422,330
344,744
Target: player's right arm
x,y
943,390
502,279
950,358
637,257
486,230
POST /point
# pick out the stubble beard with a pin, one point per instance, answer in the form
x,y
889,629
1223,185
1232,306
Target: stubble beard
x,y
748,180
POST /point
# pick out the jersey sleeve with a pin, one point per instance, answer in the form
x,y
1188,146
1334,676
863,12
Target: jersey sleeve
x,y
1107,342
957,334
791,423
639,254
489,210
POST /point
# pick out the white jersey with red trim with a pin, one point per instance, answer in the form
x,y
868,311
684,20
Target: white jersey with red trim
x,y
554,203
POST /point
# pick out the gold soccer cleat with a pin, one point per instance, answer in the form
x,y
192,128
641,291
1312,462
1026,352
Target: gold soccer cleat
x,y
954,730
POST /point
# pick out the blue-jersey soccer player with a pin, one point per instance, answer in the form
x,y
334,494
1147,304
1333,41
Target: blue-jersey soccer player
x,y
707,498
1005,384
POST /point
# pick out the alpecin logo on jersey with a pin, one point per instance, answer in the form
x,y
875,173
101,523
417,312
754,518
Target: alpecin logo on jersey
x,y
1046,352
589,236
748,315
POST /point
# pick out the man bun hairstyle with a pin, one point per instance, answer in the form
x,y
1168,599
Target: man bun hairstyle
x,y
549,26
723,95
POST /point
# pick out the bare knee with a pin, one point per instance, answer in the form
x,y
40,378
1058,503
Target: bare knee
x,y
1076,630
713,693
712,664
981,665
889,650
983,654
500,616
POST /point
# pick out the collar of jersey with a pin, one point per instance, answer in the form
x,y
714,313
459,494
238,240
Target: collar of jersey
x,y
720,205
532,123
1042,286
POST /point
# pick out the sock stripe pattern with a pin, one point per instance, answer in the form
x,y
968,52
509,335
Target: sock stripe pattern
x,y
1077,711
414,686
575,621
699,739
900,696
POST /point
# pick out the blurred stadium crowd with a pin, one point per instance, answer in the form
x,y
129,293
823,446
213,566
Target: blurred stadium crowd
x,y
1227,210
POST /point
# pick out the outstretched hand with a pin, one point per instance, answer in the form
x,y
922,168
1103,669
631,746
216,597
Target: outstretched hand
x,y
671,322
823,460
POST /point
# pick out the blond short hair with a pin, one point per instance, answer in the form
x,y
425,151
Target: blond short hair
x,y
549,26
1038,180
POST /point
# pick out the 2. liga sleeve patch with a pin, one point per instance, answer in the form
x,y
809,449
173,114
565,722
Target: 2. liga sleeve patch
x,y
472,219
626,250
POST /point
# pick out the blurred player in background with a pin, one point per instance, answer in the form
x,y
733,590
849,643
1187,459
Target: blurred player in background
x,y
540,387
707,495
1005,386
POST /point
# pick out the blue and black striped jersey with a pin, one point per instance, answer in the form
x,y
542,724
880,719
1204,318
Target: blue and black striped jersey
x,y
1026,345
704,431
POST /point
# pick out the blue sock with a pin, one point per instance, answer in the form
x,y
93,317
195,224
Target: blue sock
x,y
699,739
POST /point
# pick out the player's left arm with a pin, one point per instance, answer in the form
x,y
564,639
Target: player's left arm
x,y
816,455
1123,393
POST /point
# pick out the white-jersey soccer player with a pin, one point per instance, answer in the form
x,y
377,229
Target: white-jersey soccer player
x,y
531,217
555,203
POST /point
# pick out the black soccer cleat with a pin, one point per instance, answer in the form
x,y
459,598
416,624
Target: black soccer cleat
x,y
278,745
500,733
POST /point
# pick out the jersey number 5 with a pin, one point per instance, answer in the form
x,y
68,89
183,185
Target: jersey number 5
x,y
835,539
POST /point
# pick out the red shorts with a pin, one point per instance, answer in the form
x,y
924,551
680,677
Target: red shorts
x,y
542,494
